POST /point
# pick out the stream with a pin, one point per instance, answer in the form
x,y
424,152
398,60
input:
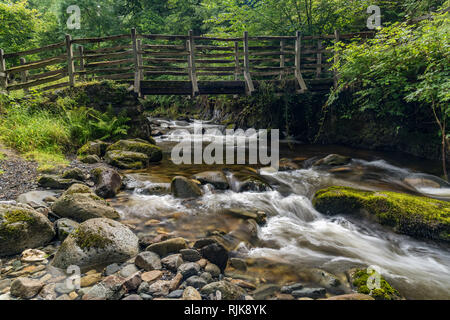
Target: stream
x,y
296,238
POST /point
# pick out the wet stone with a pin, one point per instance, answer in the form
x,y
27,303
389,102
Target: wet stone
x,y
190,255
172,262
189,269
196,282
128,270
175,294
313,293
148,261
291,287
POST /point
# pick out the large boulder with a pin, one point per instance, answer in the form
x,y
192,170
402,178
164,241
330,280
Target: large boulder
x,y
107,182
126,159
407,214
80,204
97,242
64,227
153,152
22,228
97,148
215,178
182,187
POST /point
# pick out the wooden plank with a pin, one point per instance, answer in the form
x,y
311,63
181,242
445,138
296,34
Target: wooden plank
x,y
165,54
213,73
36,82
36,65
216,68
163,68
282,57
70,65
139,59
101,39
108,55
23,74
192,70
116,76
248,79
82,62
55,86
272,38
162,60
319,58
204,47
215,55
108,63
171,87
137,73
236,60
162,37
272,53
218,61
167,73
108,49
33,51
108,70
46,74
216,39
298,74
163,46
4,76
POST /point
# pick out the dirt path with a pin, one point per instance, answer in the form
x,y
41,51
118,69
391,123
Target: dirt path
x,y
17,175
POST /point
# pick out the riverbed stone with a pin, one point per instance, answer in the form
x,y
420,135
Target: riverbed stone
x,y
107,182
133,297
265,291
415,216
55,182
172,262
33,255
148,148
159,288
215,178
111,269
150,276
128,270
97,242
253,184
324,278
82,206
90,159
191,293
148,261
228,290
133,282
212,269
184,188
126,159
74,173
313,293
291,287
26,288
110,288
64,227
196,282
90,279
35,198
163,248
238,264
217,254
351,296
189,269
97,148
333,160
22,228
190,255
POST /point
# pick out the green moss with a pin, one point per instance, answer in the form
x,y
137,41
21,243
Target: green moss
x,y
153,152
385,292
87,239
11,223
18,215
413,215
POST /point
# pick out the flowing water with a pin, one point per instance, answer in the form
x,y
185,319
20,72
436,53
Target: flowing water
x,y
296,238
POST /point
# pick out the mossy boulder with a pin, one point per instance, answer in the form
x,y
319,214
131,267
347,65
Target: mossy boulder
x,y
80,204
96,147
360,280
97,242
127,159
416,216
182,187
90,159
74,173
22,228
64,227
153,152
55,182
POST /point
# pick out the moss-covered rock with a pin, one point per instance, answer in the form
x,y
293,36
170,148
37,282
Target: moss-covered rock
x,y
412,215
54,182
96,147
80,204
97,242
90,159
74,173
182,187
153,152
22,228
360,279
127,159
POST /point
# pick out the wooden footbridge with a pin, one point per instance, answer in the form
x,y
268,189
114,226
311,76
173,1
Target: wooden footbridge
x,y
178,64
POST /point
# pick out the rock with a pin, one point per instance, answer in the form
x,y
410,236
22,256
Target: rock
x,y
128,270
26,288
359,279
207,276
111,269
148,261
196,282
215,178
172,262
175,282
97,242
90,159
153,153
190,255
265,291
64,227
75,174
133,297
175,294
33,255
313,293
259,216
159,288
78,188
127,159
107,182
184,188
212,269
151,275
244,284
254,185
324,278
228,290
189,269
133,282
407,214
5,283
82,206
157,189
22,228
291,287
351,296
48,292
54,182
90,280
333,160
163,248
238,264
191,293
110,288
97,148
215,253
202,263
287,165
35,198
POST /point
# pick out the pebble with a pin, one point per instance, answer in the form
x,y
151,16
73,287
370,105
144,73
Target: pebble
x,y
172,262
128,270
133,282
190,255
111,269
133,297
90,280
191,293
313,293
202,263
212,269
151,275
175,294
189,269
148,261
176,281
26,288
238,264
73,295
291,287
206,276
196,282
145,296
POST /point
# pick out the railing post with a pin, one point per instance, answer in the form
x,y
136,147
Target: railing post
x,y
298,61
82,62
282,59
319,58
137,72
140,61
248,79
337,37
3,74
236,60
70,64
192,70
23,74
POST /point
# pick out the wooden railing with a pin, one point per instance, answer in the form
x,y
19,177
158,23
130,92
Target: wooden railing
x,y
140,57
